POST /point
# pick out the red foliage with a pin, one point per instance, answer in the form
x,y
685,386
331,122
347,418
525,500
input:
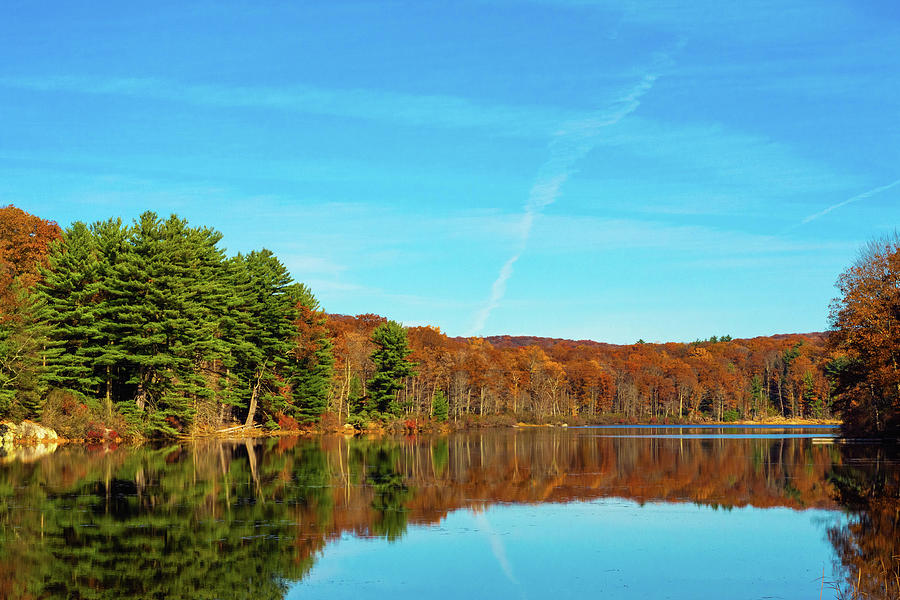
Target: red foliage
x,y
98,432
288,423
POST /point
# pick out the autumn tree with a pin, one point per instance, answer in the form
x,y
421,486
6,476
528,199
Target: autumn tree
x,y
24,243
866,330
314,361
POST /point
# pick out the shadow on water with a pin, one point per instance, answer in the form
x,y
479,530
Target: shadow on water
x,y
245,520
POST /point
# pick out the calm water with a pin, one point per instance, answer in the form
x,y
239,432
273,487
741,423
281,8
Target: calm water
x,y
531,513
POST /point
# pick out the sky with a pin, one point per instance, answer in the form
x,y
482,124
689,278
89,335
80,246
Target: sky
x,y
584,169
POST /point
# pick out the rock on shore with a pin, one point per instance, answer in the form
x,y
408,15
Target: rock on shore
x,y
10,433
26,441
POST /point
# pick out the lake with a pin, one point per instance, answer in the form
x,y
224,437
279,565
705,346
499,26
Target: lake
x,y
611,512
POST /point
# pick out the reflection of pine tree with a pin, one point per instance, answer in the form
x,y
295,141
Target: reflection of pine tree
x,y
377,464
391,493
149,527
440,456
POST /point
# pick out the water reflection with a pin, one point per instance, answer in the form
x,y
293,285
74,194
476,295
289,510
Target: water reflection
x,y
245,520
867,484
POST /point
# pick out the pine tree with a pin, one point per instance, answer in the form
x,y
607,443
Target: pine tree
x,y
356,402
264,333
391,367
314,362
23,341
440,407
68,293
111,242
169,300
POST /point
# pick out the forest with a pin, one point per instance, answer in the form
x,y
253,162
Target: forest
x,y
150,329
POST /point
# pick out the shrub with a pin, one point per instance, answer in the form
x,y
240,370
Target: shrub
x,y
329,421
74,416
360,421
288,423
731,415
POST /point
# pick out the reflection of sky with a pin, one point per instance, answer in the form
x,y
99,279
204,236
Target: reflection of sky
x,y
603,549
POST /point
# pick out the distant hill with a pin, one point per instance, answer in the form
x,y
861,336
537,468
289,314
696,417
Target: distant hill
x,y
521,341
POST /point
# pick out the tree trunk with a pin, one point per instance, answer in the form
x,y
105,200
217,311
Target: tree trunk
x,y
251,411
141,398
108,391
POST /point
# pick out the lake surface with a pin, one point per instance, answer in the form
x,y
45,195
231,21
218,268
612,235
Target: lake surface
x,y
615,512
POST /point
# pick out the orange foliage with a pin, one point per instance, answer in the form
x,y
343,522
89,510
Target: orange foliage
x,y
24,241
545,378
866,319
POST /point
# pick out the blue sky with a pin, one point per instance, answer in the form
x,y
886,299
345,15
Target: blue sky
x,y
603,169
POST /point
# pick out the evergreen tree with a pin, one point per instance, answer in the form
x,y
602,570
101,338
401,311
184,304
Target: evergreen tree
x,y
24,242
22,349
264,333
314,362
440,407
356,402
391,367
169,300
68,292
110,240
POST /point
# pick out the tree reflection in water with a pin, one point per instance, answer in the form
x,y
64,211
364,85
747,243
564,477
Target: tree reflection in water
x,y
244,520
867,485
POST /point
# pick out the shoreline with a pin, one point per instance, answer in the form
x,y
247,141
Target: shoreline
x,y
401,428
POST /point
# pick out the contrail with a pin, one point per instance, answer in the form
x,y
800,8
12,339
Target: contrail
x,y
569,144
862,196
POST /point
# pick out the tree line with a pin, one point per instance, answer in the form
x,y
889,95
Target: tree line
x,y
152,322
540,379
